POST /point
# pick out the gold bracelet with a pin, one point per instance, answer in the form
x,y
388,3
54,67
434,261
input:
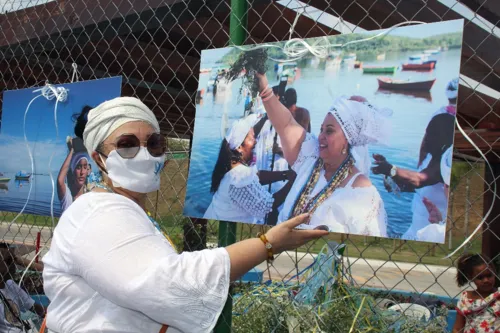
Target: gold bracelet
x,y
269,247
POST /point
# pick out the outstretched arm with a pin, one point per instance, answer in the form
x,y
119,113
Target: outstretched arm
x,y
290,132
63,172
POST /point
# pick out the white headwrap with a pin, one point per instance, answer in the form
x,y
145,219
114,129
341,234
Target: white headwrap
x,y
362,124
110,115
446,160
239,130
76,158
452,89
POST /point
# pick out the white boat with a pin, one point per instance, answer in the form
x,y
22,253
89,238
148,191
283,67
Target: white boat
x,y
433,51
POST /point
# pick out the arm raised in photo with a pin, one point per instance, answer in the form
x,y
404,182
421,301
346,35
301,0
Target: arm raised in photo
x,y
289,130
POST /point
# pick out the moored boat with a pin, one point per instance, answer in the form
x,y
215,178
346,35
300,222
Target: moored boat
x,y
390,84
380,70
419,67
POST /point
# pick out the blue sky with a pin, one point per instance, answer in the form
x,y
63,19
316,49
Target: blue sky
x,y
40,125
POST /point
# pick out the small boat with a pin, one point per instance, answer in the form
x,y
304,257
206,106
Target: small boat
x,y
419,67
381,56
205,70
390,84
380,70
419,57
21,175
434,51
4,180
358,64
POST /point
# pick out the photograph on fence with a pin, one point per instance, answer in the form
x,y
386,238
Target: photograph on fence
x,y
361,139
57,153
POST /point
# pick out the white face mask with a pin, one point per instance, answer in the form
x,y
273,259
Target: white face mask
x,y
139,174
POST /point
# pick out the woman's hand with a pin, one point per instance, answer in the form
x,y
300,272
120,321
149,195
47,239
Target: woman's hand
x,y
382,167
283,237
263,82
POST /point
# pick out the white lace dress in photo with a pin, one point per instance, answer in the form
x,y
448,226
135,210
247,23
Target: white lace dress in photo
x,y
353,210
240,198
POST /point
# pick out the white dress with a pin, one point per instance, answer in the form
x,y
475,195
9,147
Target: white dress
x,y
240,198
350,210
435,193
110,270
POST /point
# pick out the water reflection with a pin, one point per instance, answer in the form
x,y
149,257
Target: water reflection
x,y
416,94
4,187
21,183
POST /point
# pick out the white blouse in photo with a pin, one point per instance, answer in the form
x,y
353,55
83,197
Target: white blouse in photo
x,y
353,210
110,270
240,197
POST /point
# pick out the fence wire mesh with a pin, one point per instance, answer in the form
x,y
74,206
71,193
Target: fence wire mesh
x,y
156,47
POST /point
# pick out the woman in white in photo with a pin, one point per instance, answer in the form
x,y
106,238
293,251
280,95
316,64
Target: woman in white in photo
x,y
435,232
328,185
238,193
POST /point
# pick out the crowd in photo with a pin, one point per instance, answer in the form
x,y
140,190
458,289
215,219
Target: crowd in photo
x,y
271,166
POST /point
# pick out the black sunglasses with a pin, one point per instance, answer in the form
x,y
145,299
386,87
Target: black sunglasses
x,y
128,145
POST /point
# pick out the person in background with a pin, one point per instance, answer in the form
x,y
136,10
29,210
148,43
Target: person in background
x,y
290,100
14,300
427,181
238,194
74,170
452,95
435,231
478,311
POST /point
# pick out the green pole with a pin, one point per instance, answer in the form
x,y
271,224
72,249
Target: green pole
x,y
227,230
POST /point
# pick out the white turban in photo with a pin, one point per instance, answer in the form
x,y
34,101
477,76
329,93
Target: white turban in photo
x,y
239,130
108,116
362,124
452,89
446,160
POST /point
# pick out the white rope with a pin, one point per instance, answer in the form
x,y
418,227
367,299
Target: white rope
x,y
296,48
74,76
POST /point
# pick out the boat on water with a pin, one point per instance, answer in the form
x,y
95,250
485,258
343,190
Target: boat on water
x,y
350,58
4,180
426,66
433,51
22,175
381,56
358,64
380,70
390,84
419,57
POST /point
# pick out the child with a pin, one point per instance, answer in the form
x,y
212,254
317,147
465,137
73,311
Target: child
x,y
478,310
13,300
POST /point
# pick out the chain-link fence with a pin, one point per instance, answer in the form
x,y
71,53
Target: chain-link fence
x,y
156,46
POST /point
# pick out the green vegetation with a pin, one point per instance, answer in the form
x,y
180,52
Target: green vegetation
x,y
375,46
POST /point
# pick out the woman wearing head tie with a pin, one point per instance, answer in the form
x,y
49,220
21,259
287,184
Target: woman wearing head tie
x,y
239,193
329,186
110,269
75,171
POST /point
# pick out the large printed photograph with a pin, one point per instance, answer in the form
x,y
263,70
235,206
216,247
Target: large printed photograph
x,y
59,154
361,139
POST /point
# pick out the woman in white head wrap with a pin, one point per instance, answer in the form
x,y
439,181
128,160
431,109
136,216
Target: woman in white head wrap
x,y
328,185
109,269
72,177
238,193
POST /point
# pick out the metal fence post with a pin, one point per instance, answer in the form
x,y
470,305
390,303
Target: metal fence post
x,y
227,230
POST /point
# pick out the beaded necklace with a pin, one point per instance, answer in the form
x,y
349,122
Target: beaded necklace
x,y
156,224
305,205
